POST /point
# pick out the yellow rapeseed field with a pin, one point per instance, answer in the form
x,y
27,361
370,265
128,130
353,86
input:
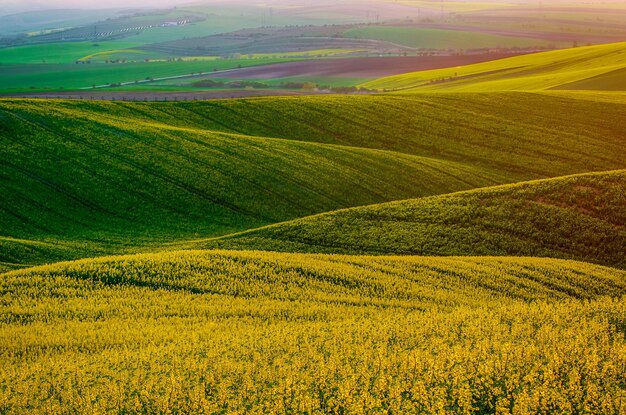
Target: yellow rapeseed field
x,y
216,332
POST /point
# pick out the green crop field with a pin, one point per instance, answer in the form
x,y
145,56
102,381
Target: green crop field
x,y
533,72
231,181
444,39
226,18
113,170
456,245
58,53
610,81
579,216
56,77
49,20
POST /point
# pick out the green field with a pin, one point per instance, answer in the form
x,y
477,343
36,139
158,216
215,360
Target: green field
x,y
58,53
570,217
444,39
49,62
610,81
534,72
230,181
212,24
46,20
115,170
22,78
226,18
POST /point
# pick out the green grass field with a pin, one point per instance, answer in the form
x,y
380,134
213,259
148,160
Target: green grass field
x,y
534,72
47,20
55,77
228,18
127,177
59,53
579,217
610,81
135,192
444,39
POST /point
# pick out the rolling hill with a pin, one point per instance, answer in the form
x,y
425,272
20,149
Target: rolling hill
x,y
579,216
103,184
113,177
211,332
561,69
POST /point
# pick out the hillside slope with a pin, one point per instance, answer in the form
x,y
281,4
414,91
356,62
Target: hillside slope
x,y
114,177
527,135
77,183
581,217
211,332
561,69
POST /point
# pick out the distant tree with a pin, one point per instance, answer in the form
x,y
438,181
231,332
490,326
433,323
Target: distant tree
x,y
309,86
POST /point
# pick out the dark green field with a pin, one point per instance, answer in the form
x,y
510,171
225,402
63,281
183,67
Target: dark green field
x,y
580,216
612,81
125,177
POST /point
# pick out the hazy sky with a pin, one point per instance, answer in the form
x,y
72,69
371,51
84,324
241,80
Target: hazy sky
x,y
15,6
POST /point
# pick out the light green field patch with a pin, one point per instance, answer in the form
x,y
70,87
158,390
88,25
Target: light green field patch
x,y
19,78
332,81
59,52
118,54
